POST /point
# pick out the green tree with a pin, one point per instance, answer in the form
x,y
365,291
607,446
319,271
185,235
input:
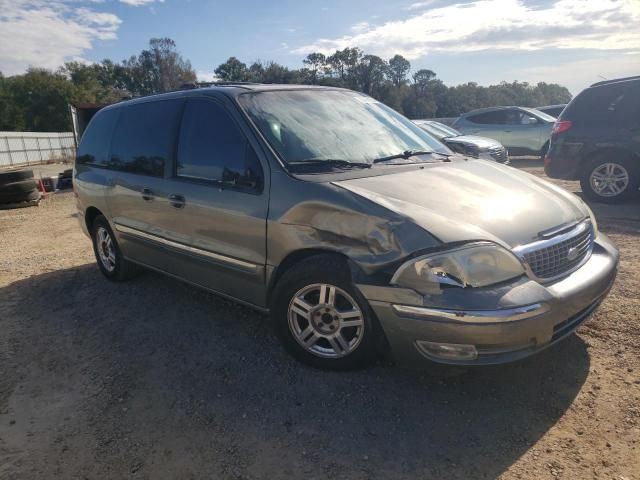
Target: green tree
x,y
233,70
40,101
315,63
90,85
343,65
370,74
159,68
398,69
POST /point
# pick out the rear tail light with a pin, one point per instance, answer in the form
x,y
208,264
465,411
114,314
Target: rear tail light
x,y
561,126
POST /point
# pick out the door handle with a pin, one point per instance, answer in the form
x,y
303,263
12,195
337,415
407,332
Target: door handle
x,y
147,194
176,200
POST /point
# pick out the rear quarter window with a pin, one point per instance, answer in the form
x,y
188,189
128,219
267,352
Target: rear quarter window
x,y
605,105
94,146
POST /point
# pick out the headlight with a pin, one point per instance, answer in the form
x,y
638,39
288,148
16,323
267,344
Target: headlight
x,y
477,265
594,224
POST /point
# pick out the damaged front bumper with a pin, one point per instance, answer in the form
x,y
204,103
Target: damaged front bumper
x,y
492,325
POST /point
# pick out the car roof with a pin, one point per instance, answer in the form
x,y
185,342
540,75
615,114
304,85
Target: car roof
x,y
231,89
552,106
635,78
491,109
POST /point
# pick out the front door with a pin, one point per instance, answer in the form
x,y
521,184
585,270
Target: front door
x,y
218,192
524,132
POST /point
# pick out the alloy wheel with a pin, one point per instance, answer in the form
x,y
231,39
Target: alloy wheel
x,y
326,321
609,179
106,249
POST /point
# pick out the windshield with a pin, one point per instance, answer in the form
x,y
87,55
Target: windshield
x,y
315,125
433,131
451,132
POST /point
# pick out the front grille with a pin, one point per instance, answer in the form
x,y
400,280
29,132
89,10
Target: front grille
x,y
499,154
559,255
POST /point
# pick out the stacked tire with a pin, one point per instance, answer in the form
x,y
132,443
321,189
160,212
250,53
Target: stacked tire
x,y
17,187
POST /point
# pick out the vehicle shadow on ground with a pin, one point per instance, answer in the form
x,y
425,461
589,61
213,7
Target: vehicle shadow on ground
x,y
169,381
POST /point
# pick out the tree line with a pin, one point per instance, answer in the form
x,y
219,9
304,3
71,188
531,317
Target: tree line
x,y
37,100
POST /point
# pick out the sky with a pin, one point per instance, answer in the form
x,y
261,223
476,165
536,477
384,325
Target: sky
x,y
571,42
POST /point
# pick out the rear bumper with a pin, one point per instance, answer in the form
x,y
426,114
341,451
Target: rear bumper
x,y
563,160
546,315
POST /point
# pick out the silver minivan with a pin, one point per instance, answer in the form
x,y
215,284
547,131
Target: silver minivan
x,y
358,232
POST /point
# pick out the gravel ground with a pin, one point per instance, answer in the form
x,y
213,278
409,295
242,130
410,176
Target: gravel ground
x,y
157,379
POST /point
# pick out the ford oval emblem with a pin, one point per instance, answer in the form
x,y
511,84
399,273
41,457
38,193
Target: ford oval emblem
x,y
572,254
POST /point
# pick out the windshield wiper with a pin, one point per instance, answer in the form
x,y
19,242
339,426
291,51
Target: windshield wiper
x,y
331,163
410,153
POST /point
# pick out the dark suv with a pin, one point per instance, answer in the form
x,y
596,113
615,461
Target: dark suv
x,y
597,140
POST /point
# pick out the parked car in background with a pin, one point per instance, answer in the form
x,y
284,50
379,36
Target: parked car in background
x,y
471,145
356,230
597,140
553,110
524,131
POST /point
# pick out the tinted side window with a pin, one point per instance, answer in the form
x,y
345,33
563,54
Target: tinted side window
x,y
94,146
490,118
599,105
514,117
212,147
144,139
630,111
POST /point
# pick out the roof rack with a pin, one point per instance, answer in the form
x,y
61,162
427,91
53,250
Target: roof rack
x,y
614,80
192,85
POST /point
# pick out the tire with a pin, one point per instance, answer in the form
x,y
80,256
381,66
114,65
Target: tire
x,y
609,166
20,186
115,268
333,346
15,176
19,197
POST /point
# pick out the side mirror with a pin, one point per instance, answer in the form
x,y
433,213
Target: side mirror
x,y
529,121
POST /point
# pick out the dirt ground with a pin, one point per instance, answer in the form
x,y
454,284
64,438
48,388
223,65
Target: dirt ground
x,y
157,379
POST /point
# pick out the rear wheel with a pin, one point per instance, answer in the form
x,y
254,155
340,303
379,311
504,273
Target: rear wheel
x,y
609,178
321,318
108,255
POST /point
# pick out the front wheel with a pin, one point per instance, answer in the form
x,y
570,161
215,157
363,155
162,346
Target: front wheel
x,y
610,179
321,318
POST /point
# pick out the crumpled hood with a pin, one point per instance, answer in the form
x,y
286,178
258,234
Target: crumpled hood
x,y
473,200
481,142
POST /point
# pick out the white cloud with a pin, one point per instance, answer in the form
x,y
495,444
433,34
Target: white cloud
x,y
496,24
139,3
419,5
204,76
45,34
579,74
360,27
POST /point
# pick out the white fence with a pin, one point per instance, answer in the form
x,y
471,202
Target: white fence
x,y
29,148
